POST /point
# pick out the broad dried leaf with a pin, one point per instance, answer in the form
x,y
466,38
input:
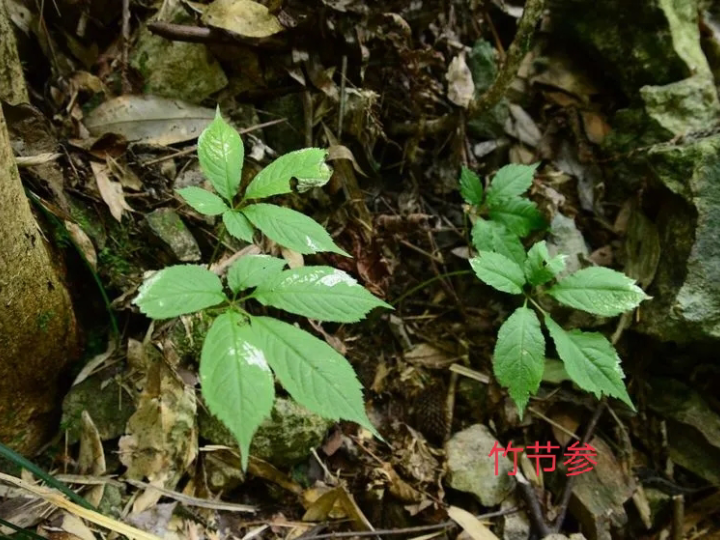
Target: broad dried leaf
x,y
243,17
150,119
461,87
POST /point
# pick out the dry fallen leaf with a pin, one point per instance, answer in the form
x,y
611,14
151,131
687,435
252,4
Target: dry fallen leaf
x,y
470,524
460,82
426,355
243,17
83,242
111,192
150,119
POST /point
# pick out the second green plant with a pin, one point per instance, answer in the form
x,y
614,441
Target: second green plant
x,y
519,357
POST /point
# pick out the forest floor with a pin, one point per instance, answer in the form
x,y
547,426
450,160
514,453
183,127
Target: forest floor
x,y
117,109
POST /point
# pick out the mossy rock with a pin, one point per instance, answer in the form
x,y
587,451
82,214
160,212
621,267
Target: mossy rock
x,y
284,439
109,406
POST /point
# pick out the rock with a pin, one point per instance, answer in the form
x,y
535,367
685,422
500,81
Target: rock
x,y
471,468
101,399
111,504
169,228
565,238
646,42
223,471
284,439
652,49
599,495
516,525
693,429
686,289
165,64
660,504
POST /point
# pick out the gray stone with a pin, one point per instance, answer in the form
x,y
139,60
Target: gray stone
x,y
564,238
686,290
284,439
599,494
693,428
110,408
176,69
169,228
640,43
471,468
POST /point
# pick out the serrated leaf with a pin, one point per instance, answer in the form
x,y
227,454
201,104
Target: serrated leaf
x,y
318,292
590,360
203,201
238,225
499,272
237,383
221,154
314,374
540,267
307,165
471,188
520,216
291,229
599,290
252,270
519,357
510,181
492,236
179,290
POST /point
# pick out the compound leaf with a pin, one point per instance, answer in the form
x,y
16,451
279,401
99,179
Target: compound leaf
x,y
307,165
520,216
314,374
318,292
238,226
291,229
252,270
470,187
519,357
203,201
510,181
540,267
492,236
590,360
221,154
178,290
499,272
237,383
599,290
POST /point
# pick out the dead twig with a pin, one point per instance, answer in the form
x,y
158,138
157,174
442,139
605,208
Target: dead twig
x,y
126,87
569,485
535,513
407,530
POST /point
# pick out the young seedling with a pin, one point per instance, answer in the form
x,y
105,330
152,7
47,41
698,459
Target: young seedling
x,y
589,358
241,351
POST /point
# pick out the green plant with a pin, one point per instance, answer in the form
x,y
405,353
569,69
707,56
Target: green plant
x,y
240,349
519,360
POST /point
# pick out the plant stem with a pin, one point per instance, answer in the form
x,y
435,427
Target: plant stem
x,y
534,303
221,237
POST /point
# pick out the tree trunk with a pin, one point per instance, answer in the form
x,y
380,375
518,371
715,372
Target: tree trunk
x,y
12,80
38,330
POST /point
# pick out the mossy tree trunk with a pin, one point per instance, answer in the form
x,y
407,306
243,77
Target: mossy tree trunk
x,y
38,331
